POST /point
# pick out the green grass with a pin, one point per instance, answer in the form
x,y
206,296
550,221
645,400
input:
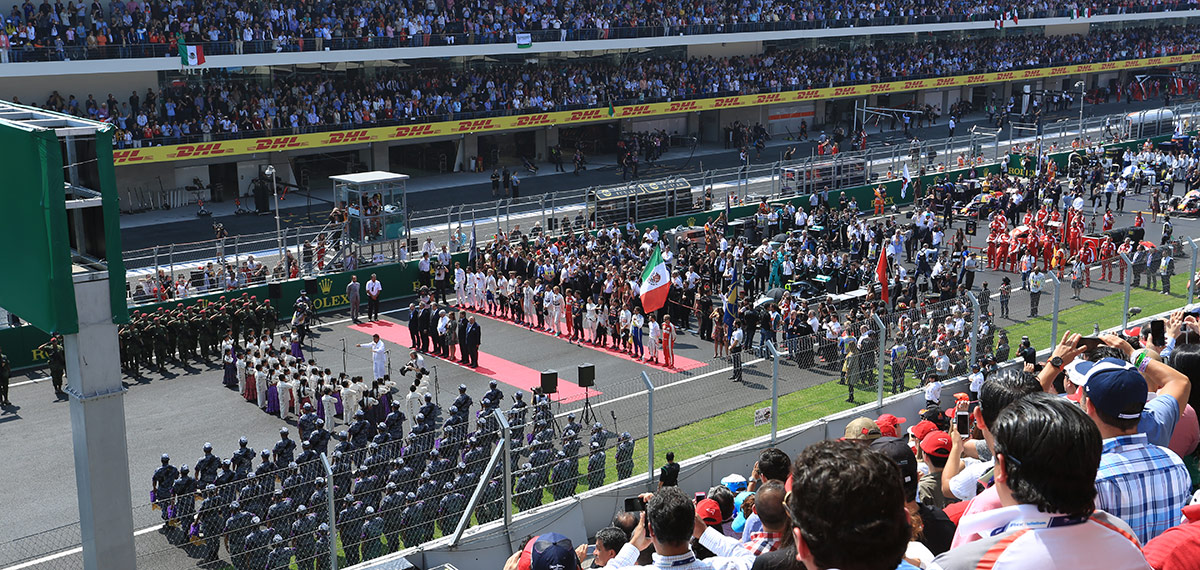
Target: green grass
x,y
1105,311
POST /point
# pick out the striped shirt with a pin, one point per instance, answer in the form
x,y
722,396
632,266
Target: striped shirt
x,y
1145,485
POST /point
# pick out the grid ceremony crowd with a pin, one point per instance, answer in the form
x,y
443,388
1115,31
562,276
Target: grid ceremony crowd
x,y
228,108
77,30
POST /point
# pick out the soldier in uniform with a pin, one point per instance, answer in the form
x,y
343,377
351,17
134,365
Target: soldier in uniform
x,y
243,458
349,523
267,315
489,508
463,402
206,467
58,361
492,397
319,437
625,456
516,416
529,489
258,544
321,547
572,425
564,480
161,340
211,523
596,466
391,509
600,435
285,448
162,485
372,535
280,556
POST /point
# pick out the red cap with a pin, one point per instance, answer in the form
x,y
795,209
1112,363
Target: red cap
x,y
887,424
936,443
922,429
709,511
1135,332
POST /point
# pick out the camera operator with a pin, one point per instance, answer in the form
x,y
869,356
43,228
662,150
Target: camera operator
x,y
416,365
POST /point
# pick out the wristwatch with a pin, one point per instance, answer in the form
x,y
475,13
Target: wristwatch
x,y
1056,362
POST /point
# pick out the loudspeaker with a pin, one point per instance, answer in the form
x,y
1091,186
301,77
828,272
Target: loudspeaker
x,y
549,381
310,287
275,290
587,375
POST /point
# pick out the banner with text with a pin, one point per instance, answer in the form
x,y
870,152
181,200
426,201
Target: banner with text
x,y
229,148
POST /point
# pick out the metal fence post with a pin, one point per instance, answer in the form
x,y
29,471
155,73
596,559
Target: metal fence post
x,y
1054,311
1128,284
508,488
171,262
333,559
974,340
649,429
465,519
774,390
156,262
1192,275
236,251
879,358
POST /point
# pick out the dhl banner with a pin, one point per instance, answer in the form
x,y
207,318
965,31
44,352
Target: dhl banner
x,y
229,148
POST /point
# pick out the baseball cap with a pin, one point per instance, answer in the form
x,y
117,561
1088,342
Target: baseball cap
x,y
734,482
887,424
1114,386
937,444
922,429
709,511
862,428
898,451
550,551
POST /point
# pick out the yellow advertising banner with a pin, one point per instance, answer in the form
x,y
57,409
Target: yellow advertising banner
x,y
147,155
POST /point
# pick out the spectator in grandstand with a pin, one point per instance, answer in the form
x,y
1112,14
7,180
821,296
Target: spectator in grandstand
x,y
668,524
773,465
1178,548
932,529
609,541
862,431
1047,455
1143,484
768,506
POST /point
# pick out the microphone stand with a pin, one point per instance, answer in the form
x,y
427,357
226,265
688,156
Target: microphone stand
x,y
343,356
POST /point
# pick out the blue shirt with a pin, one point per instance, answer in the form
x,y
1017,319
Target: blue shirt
x,y
1145,485
1158,420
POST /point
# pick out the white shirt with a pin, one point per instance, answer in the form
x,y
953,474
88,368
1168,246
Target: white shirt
x,y
374,287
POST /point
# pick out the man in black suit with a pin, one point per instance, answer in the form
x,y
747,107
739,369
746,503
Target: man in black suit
x,y
414,325
423,317
474,339
462,341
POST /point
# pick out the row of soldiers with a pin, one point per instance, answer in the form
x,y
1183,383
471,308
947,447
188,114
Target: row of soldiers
x,y
389,488
153,339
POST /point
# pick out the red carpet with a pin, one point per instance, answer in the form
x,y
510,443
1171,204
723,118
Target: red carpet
x,y
511,373
681,363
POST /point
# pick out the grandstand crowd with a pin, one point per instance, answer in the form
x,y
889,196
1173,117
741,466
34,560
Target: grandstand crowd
x,y
78,30
232,107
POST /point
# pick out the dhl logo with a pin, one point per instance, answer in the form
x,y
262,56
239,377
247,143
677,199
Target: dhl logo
x,y
945,82
585,115
726,102
976,79
413,131
1085,68
845,91
1176,59
348,137
880,87
1005,76
124,156
1131,63
476,125
1108,65
1032,73
195,150
918,84
683,106
280,143
533,120
1058,71
635,110
1154,61
808,94
769,98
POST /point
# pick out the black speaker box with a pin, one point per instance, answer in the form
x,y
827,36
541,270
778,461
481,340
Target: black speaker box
x,y
549,381
587,375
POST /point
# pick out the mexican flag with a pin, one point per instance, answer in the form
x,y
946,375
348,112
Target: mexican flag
x,y
524,40
656,282
191,55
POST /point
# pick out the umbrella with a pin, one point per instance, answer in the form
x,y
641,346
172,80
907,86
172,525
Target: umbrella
x,y
771,296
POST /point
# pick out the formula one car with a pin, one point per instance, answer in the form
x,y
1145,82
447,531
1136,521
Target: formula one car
x,y
1187,204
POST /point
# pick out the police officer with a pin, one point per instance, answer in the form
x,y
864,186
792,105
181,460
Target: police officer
x,y
428,409
321,545
489,508
529,489
211,523
257,545
349,524
58,362
307,421
625,456
319,438
372,535
285,448
184,492
516,415
600,435
280,556
266,467
572,425
162,484
395,422
596,466
451,508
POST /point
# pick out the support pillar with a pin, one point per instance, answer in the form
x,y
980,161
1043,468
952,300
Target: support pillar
x,y
98,429
380,157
